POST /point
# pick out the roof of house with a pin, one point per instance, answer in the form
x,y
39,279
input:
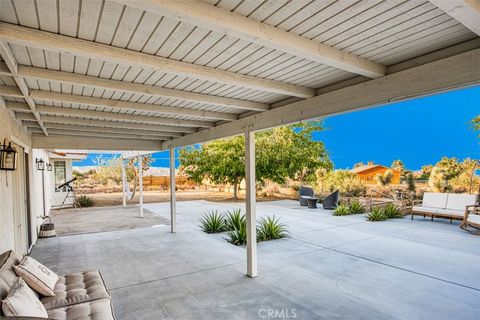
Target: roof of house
x,y
370,166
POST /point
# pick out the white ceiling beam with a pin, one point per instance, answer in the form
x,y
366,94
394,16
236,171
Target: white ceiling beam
x,y
467,12
236,25
446,74
11,63
103,123
92,143
100,130
87,134
21,107
78,47
130,87
119,104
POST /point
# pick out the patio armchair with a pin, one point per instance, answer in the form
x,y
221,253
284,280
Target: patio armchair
x,y
471,217
79,295
304,192
331,201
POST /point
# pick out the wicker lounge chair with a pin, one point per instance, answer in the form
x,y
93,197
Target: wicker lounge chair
x,y
331,201
304,192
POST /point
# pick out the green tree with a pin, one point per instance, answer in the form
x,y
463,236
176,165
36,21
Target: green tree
x,y
347,182
281,153
398,165
426,171
384,179
476,124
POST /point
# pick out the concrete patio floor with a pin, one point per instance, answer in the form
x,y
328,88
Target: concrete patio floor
x,y
330,268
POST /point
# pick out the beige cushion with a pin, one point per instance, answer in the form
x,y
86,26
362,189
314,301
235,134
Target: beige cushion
x,y
451,213
77,288
7,275
37,276
23,301
93,310
435,200
460,201
425,209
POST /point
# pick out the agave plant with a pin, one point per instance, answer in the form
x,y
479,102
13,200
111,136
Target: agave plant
x,y
376,215
391,211
234,219
270,228
356,207
238,236
341,210
213,222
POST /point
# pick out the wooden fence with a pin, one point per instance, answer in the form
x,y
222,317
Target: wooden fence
x,y
163,182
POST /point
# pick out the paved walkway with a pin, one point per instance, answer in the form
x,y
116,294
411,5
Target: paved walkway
x,y
331,268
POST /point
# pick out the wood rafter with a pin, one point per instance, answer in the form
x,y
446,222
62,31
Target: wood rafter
x,y
221,20
64,44
467,12
73,112
130,87
12,66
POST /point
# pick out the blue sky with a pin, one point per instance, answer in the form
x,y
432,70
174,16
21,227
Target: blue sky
x,y
418,131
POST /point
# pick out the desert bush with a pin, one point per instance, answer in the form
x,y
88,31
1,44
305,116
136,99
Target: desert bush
x,y
270,228
84,202
345,181
391,211
376,215
341,210
234,219
213,222
238,236
356,207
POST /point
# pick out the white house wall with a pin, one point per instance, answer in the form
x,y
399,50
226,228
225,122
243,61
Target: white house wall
x,y
12,131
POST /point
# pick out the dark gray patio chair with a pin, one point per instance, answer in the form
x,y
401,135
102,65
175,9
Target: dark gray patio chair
x,y
306,192
331,201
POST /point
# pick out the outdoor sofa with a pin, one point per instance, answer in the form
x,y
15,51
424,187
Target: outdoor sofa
x,y
452,206
80,295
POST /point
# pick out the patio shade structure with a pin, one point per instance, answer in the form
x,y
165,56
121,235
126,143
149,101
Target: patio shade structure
x,y
161,74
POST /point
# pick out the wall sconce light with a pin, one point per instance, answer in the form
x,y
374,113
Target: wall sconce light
x,y
40,164
49,167
8,156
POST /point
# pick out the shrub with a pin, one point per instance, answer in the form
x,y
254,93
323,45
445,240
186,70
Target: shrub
x,y
376,215
356,208
238,236
213,222
391,211
234,219
347,182
341,210
84,201
270,228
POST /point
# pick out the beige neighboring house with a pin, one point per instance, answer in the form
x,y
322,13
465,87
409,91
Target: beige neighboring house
x,y
368,173
62,171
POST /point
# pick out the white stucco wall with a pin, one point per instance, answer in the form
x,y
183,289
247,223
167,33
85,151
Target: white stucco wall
x,y
13,131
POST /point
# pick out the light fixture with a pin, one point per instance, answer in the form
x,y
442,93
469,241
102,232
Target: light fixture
x,y
49,167
40,164
8,156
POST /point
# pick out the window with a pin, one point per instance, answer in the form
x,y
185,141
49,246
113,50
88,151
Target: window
x,y
60,175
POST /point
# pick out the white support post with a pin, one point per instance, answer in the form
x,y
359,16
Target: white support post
x,y
250,204
173,213
140,185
